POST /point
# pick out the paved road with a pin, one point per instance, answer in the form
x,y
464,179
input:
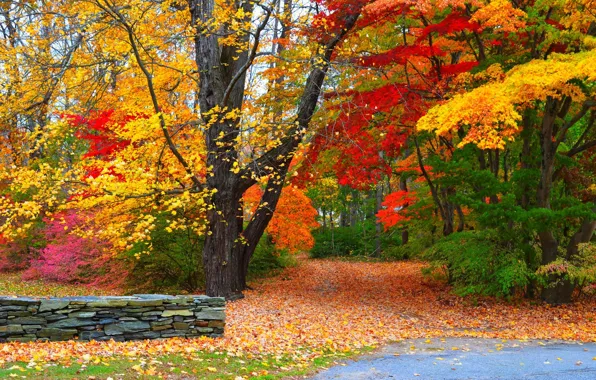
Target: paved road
x,y
466,358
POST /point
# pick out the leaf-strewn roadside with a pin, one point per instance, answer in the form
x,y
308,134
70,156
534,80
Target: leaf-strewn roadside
x,y
319,308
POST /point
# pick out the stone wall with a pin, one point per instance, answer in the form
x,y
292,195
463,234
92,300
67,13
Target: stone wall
x,y
140,316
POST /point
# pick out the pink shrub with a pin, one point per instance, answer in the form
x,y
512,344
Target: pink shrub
x,y
68,258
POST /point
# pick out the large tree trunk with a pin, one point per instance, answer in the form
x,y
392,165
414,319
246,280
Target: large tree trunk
x,y
221,254
228,249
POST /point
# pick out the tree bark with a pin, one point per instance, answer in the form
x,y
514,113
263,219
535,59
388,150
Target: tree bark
x,y
228,249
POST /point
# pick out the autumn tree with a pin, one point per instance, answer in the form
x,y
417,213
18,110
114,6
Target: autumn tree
x,y
198,141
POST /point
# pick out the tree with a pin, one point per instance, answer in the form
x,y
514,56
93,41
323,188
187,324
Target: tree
x,y
548,98
143,51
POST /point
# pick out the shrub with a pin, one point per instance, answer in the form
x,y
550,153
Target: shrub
x,y
16,254
477,262
174,263
69,258
341,241
268,260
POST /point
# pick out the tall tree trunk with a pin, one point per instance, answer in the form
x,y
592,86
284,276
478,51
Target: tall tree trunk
x,y
221,256
228,249
560,289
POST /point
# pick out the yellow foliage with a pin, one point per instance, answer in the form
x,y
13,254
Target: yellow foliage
x,y
492,112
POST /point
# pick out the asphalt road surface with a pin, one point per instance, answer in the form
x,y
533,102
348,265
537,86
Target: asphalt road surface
x,y
468,358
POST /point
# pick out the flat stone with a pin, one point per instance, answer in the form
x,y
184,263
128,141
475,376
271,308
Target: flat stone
x,y
54,332
29,321
32,327
22,339
55,317
18,301
50,305
109,302
204,329
180,300
137,310
22,313
146,302
161,327
12,308
152,313
211,314
83,314
220,324
185,312
167,321
11,329
153,296
107,321
180,326
87,328
172,334
73,322
126,327
91,335
142,335
127,319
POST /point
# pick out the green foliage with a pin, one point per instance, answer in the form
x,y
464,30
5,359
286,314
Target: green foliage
x,y
358,240
266,260
350,241
422,235
340,241
579,269
479,263
174,264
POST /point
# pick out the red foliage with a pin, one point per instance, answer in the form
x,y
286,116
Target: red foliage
x,y
98,130
394,208
399,55
458,68
454,22
328,23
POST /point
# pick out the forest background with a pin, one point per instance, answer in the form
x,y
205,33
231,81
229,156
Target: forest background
x,y
168,145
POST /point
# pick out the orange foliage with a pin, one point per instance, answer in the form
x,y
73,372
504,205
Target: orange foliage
x,y
293,220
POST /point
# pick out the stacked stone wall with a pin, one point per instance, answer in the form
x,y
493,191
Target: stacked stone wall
x,y
137,317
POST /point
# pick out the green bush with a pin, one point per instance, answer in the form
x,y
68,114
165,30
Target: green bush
x,y
176,265
340,241
266,260
479,262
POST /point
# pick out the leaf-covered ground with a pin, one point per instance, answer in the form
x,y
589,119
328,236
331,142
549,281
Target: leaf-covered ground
x,y
12,285
326,307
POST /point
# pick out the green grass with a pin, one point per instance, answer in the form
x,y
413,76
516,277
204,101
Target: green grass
x,y
203,366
